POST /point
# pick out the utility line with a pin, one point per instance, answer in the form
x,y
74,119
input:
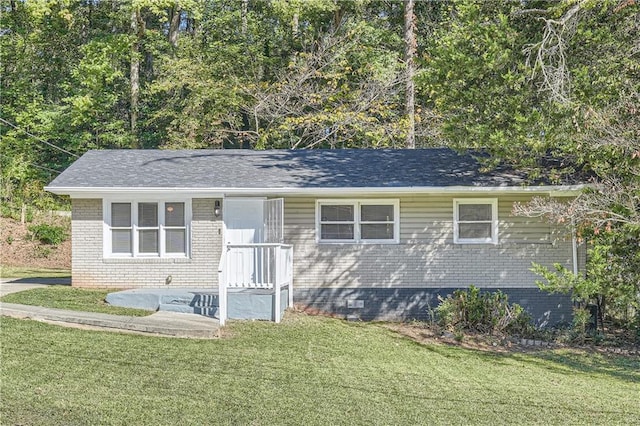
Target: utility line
x,y
44,168
37,138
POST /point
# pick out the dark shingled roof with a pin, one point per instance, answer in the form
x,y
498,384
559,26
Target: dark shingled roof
x,y
224,169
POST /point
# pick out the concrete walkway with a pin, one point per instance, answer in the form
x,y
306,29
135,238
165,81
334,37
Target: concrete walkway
x,y
160,323
14,285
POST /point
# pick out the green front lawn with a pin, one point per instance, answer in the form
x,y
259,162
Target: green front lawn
x,y
26,272
75,299
305,371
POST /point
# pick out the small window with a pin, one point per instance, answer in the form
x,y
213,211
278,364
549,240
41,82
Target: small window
x,y
337,222
121,227
148,228
175,228
376,222
357,221
475,221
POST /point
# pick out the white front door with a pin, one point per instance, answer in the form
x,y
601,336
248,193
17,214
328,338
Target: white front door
x,y
243,224
243,220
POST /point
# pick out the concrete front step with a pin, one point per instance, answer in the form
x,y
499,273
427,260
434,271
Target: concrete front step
x,y
207,311
191,299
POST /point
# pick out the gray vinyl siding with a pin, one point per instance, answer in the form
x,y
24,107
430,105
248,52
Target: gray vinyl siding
x,y
91,269
426,219
426,255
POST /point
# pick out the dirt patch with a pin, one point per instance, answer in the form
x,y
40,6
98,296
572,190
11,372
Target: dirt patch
x,y
501,344
426,335
17,249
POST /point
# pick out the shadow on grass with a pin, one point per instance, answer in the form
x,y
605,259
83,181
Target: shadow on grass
x,y
561,361
41,280
619,367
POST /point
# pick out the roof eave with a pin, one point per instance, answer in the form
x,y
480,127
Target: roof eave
x,y
98,192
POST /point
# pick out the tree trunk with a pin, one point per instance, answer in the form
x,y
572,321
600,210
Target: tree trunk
x,y
410,47
295,25
137,28
338,14
174,25
243,17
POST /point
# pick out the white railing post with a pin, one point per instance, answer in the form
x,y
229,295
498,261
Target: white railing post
x,y
222,288
290,274
276,285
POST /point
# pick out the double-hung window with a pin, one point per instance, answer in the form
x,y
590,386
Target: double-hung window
x,y
121,228
146,228
175,228
475,221
366,221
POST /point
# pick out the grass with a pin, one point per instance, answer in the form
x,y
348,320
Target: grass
x,y
75,299
26,272
307,370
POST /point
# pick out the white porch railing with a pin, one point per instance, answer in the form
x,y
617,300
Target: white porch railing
x,y
258,265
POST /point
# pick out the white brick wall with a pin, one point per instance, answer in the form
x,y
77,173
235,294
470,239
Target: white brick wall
x,y
89,269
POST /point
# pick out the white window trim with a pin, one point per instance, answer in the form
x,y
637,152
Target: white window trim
x,y
135,254
356,203
494,221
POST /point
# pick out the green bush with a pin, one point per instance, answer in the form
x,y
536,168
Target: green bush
x,y
42,252
484,312
15,212
48,234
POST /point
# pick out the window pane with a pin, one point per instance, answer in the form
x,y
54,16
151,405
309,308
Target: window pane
x,y
174,214
175,240
147,214
336,232
336,213
376,213
474,230
474,212
121,241
377,232
148,241
121,215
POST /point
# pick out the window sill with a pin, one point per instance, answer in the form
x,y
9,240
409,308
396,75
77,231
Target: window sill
x,y
359,243
149,260
476,243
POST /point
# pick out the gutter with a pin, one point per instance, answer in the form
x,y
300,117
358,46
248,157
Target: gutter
x,y
574,249
96,192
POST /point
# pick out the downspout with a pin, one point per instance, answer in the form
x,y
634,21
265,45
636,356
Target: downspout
x,y
574,248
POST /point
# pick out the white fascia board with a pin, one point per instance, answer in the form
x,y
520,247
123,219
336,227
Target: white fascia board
x,y
112,191
553,190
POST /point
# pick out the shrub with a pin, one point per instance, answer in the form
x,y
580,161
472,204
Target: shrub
x,y
484,312
42,252
581,320
47,234
15,212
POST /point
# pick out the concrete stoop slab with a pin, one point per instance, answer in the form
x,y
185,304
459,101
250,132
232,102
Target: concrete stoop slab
x,y
243,303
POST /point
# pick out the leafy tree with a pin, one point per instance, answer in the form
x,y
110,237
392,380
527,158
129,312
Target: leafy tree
x,y
343,93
